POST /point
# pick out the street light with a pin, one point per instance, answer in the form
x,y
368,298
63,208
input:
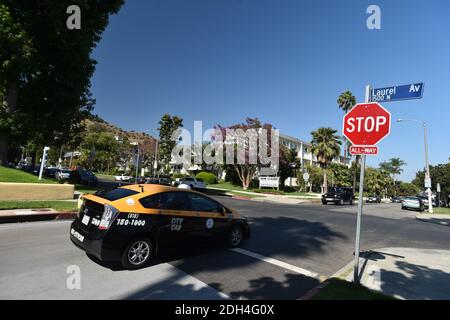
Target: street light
x,y
427,165
137,162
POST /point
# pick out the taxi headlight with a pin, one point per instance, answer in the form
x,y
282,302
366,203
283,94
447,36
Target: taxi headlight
x,y
109,215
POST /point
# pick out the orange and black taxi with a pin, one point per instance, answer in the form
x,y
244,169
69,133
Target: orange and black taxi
x,y
128,223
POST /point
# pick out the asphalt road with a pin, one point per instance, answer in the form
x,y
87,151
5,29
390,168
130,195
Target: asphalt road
x,y
292,247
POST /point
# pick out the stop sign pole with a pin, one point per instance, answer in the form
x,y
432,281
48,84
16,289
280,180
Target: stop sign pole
x,y
360,205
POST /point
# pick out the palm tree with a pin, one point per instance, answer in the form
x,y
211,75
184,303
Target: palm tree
x,y
396,165
393,167
346,101
325,146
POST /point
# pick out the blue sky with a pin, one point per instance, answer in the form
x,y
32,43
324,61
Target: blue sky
x,y
285,62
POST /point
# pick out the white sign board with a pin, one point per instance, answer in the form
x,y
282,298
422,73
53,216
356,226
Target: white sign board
x,y
306,176
438,188
269,182
427,183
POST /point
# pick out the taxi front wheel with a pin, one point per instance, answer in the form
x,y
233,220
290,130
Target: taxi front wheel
x,y
137,254
235,236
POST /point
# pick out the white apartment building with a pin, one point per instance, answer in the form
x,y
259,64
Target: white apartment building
x,y
304,151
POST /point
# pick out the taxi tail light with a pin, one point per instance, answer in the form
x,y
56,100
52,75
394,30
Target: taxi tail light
x,y
109,215
80,204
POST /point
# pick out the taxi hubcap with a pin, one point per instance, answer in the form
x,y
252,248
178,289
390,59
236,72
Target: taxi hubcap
x,y
236,236
138,252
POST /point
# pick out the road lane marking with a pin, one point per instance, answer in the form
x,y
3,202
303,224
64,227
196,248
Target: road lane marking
x,y
278,263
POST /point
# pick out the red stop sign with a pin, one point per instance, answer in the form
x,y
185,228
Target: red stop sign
x,y
366,124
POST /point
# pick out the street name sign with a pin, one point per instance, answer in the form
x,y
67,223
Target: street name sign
x,y
366,124
396,93
367,150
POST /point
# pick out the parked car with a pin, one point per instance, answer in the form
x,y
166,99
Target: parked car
x,y
83,176
397,199
413,203
166,181
425,201
50,172
373,199
159,180
62,175
129,223
339,195
123,178
192,182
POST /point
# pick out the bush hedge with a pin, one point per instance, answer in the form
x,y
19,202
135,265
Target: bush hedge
x,y
207,177
269,191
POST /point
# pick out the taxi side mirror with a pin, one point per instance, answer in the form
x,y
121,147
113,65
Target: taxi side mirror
x,y
223,211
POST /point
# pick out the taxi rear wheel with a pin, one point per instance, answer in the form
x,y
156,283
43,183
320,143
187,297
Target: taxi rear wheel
x,y
137,254
235,236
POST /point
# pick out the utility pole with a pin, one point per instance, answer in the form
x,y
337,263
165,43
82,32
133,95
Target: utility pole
x,y
427,164
155,164
428,175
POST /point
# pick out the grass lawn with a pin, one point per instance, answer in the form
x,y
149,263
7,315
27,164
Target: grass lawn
x,y
105,176
232,187
229,186
441,210
14,175
338,289
61,206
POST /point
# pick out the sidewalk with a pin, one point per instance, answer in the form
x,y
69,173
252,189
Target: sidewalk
x,y
442,219
407,273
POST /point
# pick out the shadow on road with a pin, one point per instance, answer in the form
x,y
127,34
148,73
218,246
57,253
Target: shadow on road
x,y
290,236
270,236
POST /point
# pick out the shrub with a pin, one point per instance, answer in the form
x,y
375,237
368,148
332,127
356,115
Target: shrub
x,y
178,175
269,191
207,177
289,189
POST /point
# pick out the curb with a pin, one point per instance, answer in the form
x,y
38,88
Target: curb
x,y
44,216
314,291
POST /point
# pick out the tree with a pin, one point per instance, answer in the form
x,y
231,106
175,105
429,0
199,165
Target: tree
x,y
289,164
99,151
439,174
341,175
53,82
325,146
315,178
246,170
407,189
396,165
15,58
168,125
393,167
346,101
376,180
